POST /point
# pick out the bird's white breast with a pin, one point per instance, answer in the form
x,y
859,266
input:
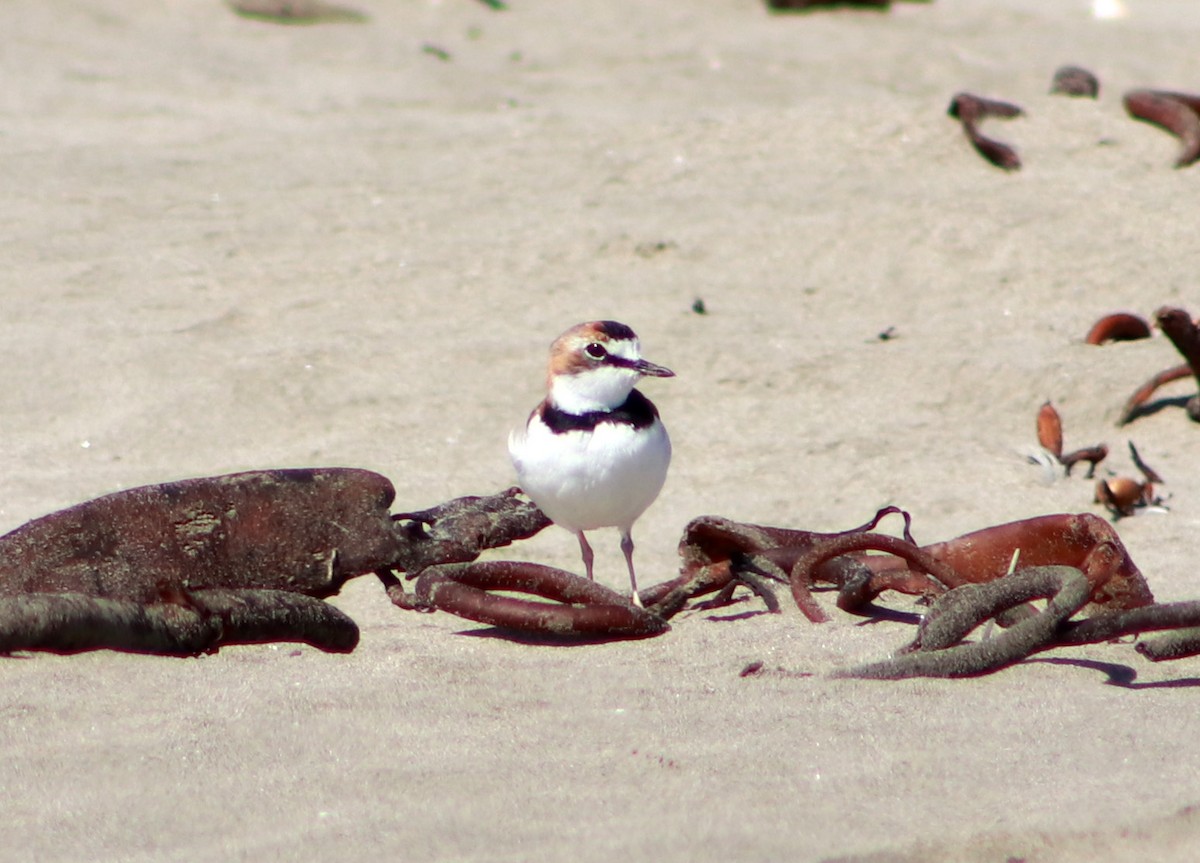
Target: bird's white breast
x,y
583,480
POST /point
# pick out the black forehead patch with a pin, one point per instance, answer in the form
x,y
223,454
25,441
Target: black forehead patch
x,y
615,330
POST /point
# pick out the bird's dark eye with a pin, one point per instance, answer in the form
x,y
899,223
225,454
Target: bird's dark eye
x,y
596,351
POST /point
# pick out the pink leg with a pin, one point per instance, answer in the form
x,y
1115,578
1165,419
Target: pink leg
x,y
627,548
586,551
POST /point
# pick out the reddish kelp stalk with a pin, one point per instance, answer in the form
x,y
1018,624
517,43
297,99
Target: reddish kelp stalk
x,y
1178,113
970,110
1184,334
1118,327
1050,436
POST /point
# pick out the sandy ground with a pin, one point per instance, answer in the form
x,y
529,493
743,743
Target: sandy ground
x,y
230,245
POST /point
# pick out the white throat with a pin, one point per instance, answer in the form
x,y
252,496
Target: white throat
x,y
600,389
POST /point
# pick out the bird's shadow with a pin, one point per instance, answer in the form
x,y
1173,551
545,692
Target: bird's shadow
x,y
741,615
548,639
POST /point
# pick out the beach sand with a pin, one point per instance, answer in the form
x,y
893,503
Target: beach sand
x,y
231,244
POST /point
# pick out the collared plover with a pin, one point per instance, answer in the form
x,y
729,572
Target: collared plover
x,y
594,453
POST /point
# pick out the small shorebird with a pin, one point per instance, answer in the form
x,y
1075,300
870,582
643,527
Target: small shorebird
x,y
594,453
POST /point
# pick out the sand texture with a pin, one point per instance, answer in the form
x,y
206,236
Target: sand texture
x,y
233,244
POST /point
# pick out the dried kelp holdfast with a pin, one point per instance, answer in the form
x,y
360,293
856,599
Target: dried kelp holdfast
x,y
183,568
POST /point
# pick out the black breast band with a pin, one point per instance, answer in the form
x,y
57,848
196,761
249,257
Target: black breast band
x,y
637,412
